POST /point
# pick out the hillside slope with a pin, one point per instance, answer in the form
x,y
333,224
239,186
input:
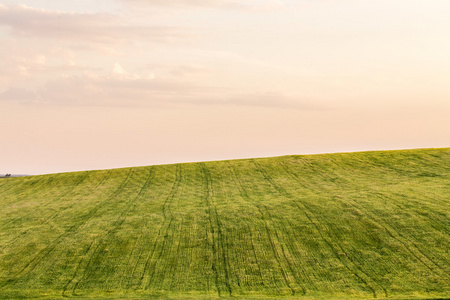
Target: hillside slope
x,y
363,225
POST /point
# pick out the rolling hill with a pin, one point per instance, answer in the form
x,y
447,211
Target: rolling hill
x,y
350,225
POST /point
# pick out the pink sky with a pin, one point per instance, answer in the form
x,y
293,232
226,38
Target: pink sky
x,y
95,84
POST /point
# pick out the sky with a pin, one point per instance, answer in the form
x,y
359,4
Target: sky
x,y
99,84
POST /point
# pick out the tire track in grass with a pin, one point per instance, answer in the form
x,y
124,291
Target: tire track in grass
x,y
363,277
283,193
215,264
86,218
31,265
65,288
24,233
175,265
73,187
283,252
166,241
130,208
100,183
10,184
83,178
222,246
42,207
144,282
413,249
340,255
130,284
141,194
431,208
292,251
245,195
27,184
162,263
357,269
215,222
403,175
225,247
257,260
271,241
102,244
417,253
126,274
275,252
411,246
170,241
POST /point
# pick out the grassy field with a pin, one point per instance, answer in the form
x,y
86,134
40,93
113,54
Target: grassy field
x,y
353,225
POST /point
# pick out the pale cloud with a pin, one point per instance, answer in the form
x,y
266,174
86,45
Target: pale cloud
x,y
121,88
15,67
270,99
187,3
117,69
187,70
18,95
268,6
119,72
28,68
118,88
43,45
25,21
276,100
217,4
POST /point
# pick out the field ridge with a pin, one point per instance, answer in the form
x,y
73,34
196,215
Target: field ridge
x,y
363,225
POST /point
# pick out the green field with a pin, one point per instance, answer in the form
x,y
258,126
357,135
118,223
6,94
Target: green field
x,y
352,225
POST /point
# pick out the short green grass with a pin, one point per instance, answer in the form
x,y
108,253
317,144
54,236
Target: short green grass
x,y
353,225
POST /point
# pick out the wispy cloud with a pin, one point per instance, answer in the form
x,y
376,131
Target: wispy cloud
x,y
21,65
121,88
215,4
187,3
25,21
274,100
22,95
